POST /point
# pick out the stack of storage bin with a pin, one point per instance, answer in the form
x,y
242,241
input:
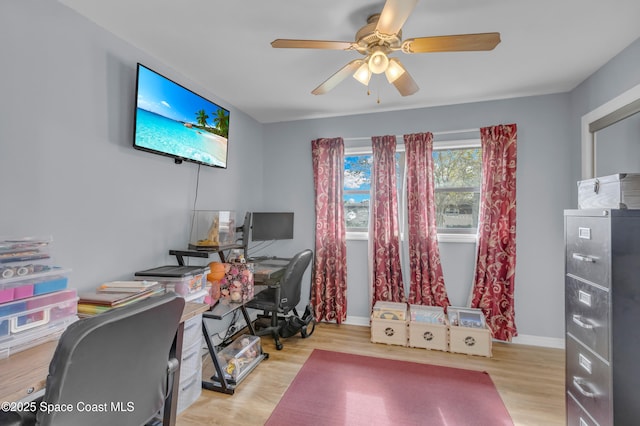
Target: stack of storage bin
x,y
191,363
35,304
190,283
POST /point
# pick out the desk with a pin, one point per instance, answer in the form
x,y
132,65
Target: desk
x,y
205,253
268,271
218,382
24,374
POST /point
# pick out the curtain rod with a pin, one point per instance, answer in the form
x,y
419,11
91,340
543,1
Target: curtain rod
x,y
446,132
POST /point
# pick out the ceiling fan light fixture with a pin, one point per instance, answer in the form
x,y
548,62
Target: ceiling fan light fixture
x,y
394,70
363,74
378,62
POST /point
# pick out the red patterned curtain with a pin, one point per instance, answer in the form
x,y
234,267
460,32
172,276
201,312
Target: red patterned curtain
x,y
496,261
329,282
427,282
383,226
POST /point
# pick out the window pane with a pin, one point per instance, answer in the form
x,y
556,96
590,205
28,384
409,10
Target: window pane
x,y
457,167
357,183
458,177
457,211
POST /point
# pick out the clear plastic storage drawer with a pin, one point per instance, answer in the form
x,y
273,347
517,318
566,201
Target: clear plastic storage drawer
x,y
26,314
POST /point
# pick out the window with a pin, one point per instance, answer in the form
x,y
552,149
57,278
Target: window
x,y
457,172
357,186
458,175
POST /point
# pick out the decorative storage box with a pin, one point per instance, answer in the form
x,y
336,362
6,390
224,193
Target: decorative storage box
x,y
390,310
237,284
392,332
240,356
183,280
619,191
428,327
19,316
212,228
468,332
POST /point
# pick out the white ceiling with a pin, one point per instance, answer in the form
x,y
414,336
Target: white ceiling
x,y
548,46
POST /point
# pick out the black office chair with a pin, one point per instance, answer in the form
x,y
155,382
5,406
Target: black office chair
x,y
114,368
278,300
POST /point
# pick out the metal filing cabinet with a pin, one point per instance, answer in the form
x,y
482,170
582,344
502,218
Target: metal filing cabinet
x,y
602,309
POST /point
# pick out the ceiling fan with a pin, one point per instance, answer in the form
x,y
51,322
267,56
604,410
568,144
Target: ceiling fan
x,y
381,36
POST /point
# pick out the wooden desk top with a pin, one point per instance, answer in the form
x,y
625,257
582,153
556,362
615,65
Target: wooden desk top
x,y
25,372
192,309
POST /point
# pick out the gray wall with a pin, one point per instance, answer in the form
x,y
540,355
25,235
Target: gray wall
x,y
68,170
617,147
548,169
614,78
543,192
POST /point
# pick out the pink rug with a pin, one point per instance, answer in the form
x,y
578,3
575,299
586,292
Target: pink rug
x,y
334,388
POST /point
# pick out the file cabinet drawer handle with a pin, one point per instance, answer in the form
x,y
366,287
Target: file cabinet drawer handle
x,y
581,322
583,258
580,384
584,298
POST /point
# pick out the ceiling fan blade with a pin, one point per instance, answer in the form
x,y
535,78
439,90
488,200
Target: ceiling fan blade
x,y
394,15
451,43
312,44
405,84
336,78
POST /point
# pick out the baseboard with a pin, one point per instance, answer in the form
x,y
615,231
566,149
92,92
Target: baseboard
x,y
364,321
524,339
546,342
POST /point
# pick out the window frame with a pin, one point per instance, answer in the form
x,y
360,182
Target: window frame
x,y
446,237
364,235
458,237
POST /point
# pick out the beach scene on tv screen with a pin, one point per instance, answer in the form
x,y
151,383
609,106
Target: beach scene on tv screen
x,y
176,121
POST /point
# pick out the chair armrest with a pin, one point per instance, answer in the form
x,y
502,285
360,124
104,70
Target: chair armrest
x,y
172,366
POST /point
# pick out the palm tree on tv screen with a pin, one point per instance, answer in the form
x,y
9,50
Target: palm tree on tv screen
x,y
201,117
222,122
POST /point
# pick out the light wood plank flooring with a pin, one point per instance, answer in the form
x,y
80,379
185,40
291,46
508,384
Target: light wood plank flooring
x,y
529,379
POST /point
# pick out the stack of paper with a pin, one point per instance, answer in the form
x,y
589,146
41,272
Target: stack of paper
x,y
127,286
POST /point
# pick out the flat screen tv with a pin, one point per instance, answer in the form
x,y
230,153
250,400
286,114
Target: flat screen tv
x,y
172,120
267,226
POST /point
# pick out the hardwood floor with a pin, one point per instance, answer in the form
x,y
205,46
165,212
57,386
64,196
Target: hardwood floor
x,y
530,379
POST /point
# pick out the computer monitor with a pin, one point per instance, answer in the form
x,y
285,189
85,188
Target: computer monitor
x,y
267,226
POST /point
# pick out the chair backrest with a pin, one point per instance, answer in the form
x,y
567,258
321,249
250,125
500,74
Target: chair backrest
x,y
111,369
291,284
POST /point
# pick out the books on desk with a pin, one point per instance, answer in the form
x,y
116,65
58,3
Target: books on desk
x,y
107,297
127,286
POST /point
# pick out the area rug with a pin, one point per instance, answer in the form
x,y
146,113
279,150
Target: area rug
x,y
334,388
